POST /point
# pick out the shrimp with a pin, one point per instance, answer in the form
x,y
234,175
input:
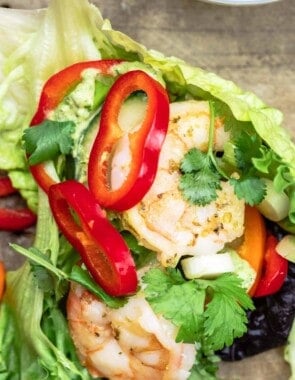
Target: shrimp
x,y
164,221
132,342
129,343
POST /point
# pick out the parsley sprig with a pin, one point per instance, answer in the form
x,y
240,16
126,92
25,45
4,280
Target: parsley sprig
x,y
209,310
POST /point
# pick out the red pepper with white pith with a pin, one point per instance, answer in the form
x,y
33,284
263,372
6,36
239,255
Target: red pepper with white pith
x,y
54,91
144,143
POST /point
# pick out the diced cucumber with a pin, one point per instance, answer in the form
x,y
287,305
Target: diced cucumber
x,y
207,266
243,270
286,247
275,205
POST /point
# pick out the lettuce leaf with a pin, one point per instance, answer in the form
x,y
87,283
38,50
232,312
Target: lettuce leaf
x,y
34,45
56,44
34,339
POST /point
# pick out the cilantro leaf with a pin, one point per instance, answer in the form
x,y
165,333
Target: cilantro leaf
x,y
169,294
83,278
200,188
251,189
48,140
200,179
206,364
247,146
141,255
222,111
194,160
218,332
200,308
160,282
227,300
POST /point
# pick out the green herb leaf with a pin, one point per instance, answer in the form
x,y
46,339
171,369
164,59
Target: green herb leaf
x,y
48,140
41,259
206,364
200,179
283,178
82,277
247,146
170,295
265,161
222,111
229,300
142,255
200,308
251,189
159,282
194,160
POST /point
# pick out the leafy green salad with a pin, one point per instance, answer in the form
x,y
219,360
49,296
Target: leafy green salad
x,y
145,271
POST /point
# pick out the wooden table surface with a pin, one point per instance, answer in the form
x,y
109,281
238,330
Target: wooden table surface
x,y
252,45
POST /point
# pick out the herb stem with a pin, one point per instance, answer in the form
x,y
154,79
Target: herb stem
x,y
211,141
211,128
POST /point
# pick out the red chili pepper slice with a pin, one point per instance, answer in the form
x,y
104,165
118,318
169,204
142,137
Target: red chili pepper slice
x,y
6,187
54,90
16,220
102,248
274,270
144,144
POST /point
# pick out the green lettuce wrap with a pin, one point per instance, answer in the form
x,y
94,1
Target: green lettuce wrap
x,y
34,340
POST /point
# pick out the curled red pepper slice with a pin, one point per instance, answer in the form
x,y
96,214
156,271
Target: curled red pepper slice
x,y
102,248
144,143
16,220
6,187
274,270
54,90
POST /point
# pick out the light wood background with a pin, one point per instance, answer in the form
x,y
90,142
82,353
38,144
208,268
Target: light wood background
x,y
251,45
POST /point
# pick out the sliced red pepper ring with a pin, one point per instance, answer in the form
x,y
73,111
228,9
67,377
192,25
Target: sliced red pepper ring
x,y
144,143
102,249
16,219
274,271
6,187
54,90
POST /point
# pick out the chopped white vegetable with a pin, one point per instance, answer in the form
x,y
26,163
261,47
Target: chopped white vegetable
x,y
275,205
207,266
286,247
